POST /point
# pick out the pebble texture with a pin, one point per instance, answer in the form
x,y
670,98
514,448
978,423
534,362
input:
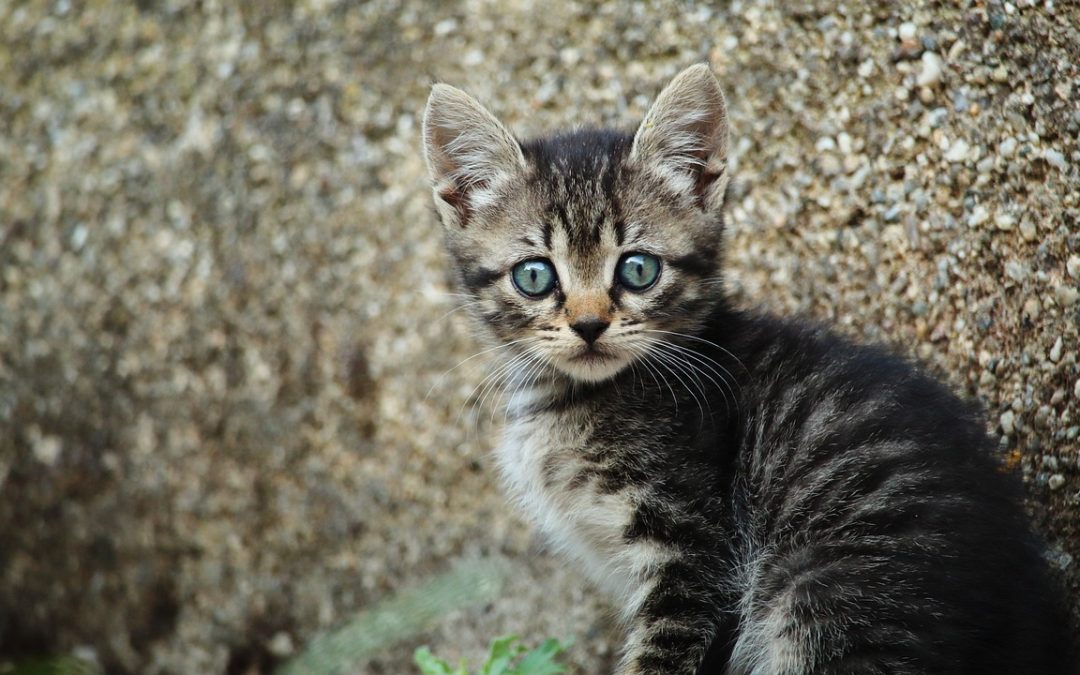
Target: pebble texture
x,y
223,302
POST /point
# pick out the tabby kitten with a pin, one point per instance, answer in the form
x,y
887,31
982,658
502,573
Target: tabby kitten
x,y
758,495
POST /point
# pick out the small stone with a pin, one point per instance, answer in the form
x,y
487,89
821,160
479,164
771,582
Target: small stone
x,y
47,449
830,165
446,27
1017,271
1066,295
825,144
1055,351
979,215
1072,266
1004,221
1076,390
1058,557
1008,421
907,31
1055,159
1032,308
866,68
960,102
281,645
933,68
1043,416
78,236
1000,74
1056,481
958,151
843,142
1007,147
1027,230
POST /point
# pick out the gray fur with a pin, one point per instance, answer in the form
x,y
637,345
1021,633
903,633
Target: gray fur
x,y
757,496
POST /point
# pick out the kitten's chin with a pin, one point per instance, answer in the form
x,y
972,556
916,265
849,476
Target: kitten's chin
x,y
592,367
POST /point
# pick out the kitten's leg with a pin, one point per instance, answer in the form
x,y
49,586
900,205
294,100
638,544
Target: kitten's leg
x,y
675,625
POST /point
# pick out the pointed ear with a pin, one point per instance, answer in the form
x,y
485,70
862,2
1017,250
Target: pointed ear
x,y
683,140
468,152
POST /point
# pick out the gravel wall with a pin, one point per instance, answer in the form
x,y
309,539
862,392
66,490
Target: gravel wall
x,y
229,413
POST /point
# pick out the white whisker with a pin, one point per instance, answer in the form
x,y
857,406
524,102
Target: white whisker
x,y
701,360
439,380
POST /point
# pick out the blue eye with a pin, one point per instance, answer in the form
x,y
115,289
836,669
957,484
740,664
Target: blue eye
x,y
534,278
638,271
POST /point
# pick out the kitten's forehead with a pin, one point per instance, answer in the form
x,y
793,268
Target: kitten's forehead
x,y
584,185
575,177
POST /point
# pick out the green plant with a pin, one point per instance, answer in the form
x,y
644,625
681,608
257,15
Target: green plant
x,y
399,617
54,665
504,658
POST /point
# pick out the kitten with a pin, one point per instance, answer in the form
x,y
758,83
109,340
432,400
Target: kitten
x,y
757,495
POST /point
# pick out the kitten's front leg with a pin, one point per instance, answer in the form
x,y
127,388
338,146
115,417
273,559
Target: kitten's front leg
x,y
675,625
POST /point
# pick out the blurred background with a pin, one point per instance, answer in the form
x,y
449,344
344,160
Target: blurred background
x,y
230,418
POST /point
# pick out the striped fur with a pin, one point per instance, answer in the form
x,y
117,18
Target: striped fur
x,y
758,496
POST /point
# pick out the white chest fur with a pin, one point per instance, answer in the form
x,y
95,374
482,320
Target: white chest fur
x,y
542,460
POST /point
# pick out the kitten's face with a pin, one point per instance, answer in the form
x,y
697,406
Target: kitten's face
x,y
585,250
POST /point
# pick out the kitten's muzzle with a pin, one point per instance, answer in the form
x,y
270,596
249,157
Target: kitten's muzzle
x,y
590,328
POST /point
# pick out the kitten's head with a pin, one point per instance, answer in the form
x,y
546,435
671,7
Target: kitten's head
x,y
590,246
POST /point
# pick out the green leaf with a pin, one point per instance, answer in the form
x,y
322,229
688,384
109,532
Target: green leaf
x,y
502,654
431,664
57,665
505,657
541,661
399,617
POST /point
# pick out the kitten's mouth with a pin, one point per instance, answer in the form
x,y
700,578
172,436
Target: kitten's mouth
x,y
592,364
591,355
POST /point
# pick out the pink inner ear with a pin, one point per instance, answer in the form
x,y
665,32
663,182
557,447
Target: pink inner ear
x,y
705,180
455,197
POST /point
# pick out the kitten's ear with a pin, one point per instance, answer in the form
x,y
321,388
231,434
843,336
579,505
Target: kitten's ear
x,y
468,152
683,140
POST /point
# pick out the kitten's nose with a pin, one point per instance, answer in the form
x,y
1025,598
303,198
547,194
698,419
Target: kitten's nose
x,y
590,328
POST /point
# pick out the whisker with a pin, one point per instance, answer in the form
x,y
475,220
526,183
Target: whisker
x,y
491,377
504,345
692,375
703,340
723,384
665,360
541,365
457,309
506,371
520,373
642,355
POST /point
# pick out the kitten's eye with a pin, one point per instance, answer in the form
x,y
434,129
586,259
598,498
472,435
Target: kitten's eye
x,y
638,271
534,278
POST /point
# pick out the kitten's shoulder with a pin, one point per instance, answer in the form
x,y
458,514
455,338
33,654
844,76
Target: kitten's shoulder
x,y
787,351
